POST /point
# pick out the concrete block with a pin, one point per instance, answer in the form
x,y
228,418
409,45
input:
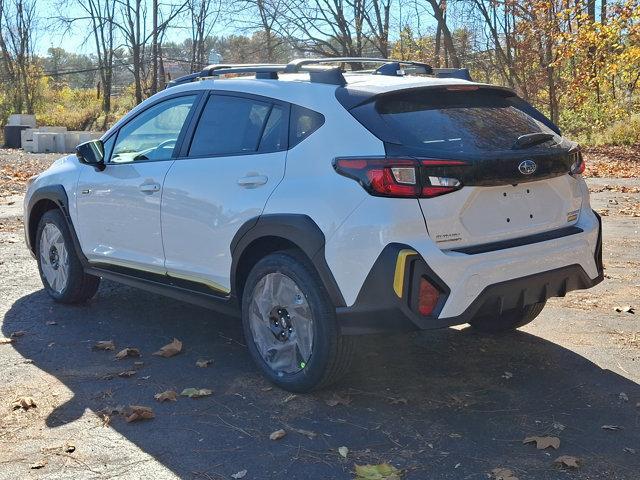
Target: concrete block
x,y
44,142
71,141
52,129
22,119
87,136
26,139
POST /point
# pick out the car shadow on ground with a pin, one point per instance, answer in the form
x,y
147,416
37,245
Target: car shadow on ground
x,y
440,404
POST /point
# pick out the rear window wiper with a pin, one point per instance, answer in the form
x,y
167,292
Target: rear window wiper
x,y
530,139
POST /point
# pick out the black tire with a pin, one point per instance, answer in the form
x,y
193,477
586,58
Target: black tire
x,y
79,286
507,321
331,352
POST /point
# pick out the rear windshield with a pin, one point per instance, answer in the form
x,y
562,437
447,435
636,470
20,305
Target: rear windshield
x,y
453,121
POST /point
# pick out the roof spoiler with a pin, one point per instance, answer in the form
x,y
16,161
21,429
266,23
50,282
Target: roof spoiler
x,y
460,73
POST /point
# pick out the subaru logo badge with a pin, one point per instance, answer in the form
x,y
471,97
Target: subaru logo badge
x,y
527,167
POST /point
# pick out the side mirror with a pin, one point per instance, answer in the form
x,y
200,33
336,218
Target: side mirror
x,y
91,153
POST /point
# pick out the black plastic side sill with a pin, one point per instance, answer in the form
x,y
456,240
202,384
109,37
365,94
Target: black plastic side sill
x,y
519,242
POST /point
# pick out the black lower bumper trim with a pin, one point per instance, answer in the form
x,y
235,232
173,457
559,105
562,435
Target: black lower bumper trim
x,y
379,310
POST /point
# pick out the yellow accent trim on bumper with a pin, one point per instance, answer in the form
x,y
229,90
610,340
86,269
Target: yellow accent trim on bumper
x,y
401,263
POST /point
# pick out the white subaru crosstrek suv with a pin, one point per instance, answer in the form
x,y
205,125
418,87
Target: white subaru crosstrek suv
x,y
318,203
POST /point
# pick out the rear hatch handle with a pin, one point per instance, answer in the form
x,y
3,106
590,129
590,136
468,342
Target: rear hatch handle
x,y
530,139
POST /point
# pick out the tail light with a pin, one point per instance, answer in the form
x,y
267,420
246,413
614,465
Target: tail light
x,y
578,165
400,177
427,297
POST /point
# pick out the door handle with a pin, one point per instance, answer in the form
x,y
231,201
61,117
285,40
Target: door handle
x,y
253,181
149,187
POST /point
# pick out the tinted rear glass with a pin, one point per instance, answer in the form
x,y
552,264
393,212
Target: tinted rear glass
x,y
450,121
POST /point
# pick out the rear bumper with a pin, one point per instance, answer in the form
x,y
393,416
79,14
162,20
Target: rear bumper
x,y
378,308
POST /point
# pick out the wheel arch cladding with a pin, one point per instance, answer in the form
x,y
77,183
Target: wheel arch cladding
x,y
266,234
42,200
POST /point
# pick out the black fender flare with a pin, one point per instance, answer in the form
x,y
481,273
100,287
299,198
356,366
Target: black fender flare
x,y
58,195
298,229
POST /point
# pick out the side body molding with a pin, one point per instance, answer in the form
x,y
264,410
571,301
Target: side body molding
x,y
298,229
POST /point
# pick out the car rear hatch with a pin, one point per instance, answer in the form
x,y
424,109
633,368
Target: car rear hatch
x,y
491,167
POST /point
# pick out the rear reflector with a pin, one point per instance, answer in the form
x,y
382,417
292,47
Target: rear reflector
x,y
400,177
578,165
427,297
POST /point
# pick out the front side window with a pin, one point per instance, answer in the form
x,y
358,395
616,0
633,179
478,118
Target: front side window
x,y
236,125
153,134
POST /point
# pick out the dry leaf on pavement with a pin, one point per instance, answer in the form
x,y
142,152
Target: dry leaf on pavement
x,y
4,340
138,412
168,395
240,474
24,403
19,333
38,465
383,471
277,435
69,448
503,474
127,373
338,400
171,349
196,392
625,309
343,451
105,345
543,442
128,352
567,461
203,363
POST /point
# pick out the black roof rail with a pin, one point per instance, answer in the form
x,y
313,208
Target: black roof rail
x,y
319,73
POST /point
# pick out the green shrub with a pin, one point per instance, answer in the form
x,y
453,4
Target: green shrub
x,y
623,132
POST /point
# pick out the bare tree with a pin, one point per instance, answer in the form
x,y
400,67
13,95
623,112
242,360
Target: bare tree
x,y
17,27
204,15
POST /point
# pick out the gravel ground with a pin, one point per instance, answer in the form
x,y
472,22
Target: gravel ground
x,y
449,404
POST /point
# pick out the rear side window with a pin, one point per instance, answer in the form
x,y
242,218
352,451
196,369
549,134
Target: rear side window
x,y
233,125
457,122
303,123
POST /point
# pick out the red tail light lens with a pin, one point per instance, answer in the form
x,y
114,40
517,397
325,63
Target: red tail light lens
x,y
427,297
399,177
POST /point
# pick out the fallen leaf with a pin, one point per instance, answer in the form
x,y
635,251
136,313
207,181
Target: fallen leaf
x,y
4,341
343,451
629,450
171,349
167,395
19,333
288,398
307,433
38,465
507,375
196,392
24,403
338,400
138,412
69,448
543,442
105,345
383,471
266,389
567,461
623,396
127,373
240,474
625,309
277,435
128,352
52,322
503,474
611,427
203,363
